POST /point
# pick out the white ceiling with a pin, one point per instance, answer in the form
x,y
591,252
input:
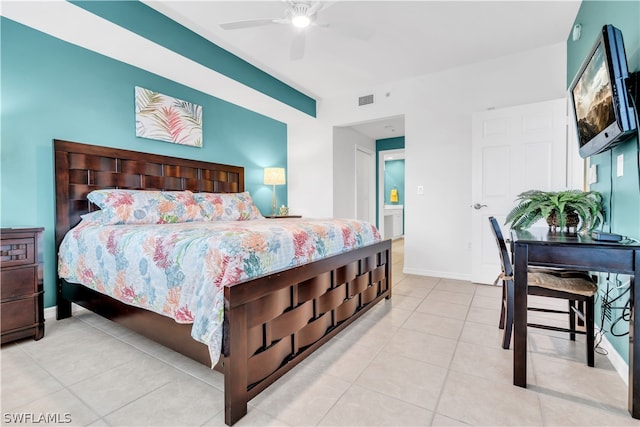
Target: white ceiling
x,y
366,44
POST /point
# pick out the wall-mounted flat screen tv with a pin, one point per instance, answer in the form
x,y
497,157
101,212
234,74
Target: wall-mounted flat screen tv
x,y
599,95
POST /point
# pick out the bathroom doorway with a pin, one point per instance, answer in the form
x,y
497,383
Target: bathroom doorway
x,y
391,193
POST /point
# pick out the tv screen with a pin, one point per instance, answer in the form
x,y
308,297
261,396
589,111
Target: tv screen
x,y
600,100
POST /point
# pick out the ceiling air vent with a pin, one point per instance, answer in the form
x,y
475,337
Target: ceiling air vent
x,y
365,100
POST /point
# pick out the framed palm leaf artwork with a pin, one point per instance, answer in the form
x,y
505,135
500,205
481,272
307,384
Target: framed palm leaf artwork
x,y
168,119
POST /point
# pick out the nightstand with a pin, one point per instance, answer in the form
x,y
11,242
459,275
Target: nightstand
x,y
21,284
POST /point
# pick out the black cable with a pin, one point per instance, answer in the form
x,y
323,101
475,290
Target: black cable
x,y
626,316
626,309
607,307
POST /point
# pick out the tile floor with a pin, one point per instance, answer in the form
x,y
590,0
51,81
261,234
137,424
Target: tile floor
x,y
429,356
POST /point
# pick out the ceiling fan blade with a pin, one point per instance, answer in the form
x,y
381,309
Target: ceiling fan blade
x,y
248,24
298,45
315,7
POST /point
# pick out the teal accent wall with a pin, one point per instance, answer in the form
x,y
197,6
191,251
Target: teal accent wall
x,y
621,194
396,143
51,89
394,178
153,25
385,144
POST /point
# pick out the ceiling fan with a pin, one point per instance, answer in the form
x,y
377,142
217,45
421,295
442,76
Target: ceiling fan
x,y
300,15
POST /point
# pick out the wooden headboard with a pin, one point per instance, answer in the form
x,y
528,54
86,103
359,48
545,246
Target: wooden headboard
x,y
82,168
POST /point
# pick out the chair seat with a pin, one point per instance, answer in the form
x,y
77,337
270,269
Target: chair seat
x,y
574,282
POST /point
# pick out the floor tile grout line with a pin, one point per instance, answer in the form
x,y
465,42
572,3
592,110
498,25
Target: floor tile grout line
x,y
135,348
155,356
355,380
448,372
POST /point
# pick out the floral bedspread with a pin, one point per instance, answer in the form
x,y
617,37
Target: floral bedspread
x,y
179,270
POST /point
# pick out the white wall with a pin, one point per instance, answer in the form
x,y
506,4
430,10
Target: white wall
x,y
310,168
345,141
437,111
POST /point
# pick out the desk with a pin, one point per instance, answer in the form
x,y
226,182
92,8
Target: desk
x,y
570,250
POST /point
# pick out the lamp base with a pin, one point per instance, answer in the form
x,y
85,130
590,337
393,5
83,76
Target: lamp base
x,y
274,202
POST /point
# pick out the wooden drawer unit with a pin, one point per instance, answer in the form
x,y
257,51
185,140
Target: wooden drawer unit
x,y
21,285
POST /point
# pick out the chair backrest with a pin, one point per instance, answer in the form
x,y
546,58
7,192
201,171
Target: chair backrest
x,y
507,269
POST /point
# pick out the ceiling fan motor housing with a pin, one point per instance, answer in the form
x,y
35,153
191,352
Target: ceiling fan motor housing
x,y
299,15
299,9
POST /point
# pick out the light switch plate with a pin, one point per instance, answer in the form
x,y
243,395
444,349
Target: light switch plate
x,y
620,165
593,174
420,189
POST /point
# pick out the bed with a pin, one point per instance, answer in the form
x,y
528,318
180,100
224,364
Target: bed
x,y
270,322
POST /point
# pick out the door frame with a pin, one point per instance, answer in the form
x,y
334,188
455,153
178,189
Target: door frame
x,y
371,181
381,159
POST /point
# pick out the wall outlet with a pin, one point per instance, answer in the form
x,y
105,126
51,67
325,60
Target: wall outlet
x,y
420,189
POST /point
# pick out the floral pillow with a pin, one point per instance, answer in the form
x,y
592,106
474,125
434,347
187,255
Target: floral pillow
x,y
227,206
145,206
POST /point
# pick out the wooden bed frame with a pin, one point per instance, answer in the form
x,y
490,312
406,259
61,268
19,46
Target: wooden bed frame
x,y
271,323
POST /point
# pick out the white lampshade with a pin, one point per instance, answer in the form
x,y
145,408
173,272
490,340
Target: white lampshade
x,y
274,176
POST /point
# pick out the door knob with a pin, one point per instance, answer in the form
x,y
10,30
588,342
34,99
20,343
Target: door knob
x,y
479,206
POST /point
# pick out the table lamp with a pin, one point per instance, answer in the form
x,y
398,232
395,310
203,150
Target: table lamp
x,y
274,176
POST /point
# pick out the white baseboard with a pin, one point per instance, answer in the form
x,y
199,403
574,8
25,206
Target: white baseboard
x,y
440,274
616,360
50,313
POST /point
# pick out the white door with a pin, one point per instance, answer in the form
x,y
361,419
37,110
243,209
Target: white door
x,y
513,150
365,184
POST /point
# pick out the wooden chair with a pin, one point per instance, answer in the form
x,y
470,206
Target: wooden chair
x,y
577,287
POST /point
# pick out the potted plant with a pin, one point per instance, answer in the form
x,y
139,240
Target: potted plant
x,y
563,209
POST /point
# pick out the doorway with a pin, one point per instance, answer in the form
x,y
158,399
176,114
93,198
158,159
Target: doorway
x,y
391,193
375,135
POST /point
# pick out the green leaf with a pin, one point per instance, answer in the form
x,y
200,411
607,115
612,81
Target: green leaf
x,y
533,205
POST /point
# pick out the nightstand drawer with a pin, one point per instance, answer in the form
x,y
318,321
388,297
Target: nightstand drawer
x,y
18,314
21,284
15,252
18,281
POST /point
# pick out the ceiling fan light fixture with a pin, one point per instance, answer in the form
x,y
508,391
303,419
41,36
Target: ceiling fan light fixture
x,y
301,21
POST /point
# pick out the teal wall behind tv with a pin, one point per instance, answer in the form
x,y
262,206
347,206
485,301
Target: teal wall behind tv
x,y
621,194
52,89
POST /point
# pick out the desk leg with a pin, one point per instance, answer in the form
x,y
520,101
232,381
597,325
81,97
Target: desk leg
x,y
521,255
634,344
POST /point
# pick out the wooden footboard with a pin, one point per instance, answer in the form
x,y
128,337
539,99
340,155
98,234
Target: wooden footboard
x,y
272,323
275,322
